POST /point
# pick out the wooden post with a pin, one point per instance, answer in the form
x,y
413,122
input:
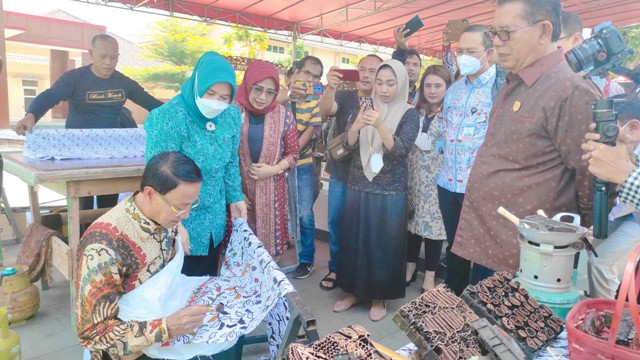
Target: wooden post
x,y
4,87
294,43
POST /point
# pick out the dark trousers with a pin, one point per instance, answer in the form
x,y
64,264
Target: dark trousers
x,y
432,250
206,265
459,273
457,268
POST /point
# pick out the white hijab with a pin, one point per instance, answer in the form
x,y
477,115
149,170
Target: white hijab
x,y
391,112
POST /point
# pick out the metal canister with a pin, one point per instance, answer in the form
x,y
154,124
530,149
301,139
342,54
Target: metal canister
x,y
19,296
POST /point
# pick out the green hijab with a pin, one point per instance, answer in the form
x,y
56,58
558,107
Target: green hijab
x,y
210,69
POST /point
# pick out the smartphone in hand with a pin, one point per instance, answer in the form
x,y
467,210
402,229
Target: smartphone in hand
x,y
413,25
366,102
456,27
311,87
349,74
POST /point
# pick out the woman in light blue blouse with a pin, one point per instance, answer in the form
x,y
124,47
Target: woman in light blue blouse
x,y
200,123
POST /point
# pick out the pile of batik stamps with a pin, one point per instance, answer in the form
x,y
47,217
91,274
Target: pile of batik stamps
x,y
441,324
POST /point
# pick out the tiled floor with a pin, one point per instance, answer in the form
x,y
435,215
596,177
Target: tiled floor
x,y
50,335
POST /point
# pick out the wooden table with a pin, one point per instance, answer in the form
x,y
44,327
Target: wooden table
x,y
74,179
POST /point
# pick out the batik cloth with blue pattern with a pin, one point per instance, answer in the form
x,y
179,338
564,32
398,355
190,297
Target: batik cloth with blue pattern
x,y
59,144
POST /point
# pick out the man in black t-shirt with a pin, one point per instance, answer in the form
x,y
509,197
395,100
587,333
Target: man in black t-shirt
x,y
96,94
342,105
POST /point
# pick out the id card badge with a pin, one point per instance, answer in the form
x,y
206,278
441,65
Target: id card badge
x,y
376,163
467,132
439,146
423,142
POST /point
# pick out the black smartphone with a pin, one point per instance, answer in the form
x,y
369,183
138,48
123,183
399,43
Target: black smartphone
x,y
413,25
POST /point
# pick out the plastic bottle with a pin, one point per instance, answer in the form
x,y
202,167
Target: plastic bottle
x,y
9,340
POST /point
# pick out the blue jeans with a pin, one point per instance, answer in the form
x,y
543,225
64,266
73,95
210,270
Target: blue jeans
x,y
337,193
305,213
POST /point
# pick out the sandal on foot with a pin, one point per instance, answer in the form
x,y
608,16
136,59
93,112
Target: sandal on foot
x,y
329,280
376,313
345,303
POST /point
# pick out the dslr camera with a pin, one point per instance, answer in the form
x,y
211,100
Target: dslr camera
x,y
604,52
601,53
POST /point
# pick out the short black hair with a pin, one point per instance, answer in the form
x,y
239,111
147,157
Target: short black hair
x,y
314,60
166,170
290,71
413,52
102,37
571,23
370,55
537,10
487,42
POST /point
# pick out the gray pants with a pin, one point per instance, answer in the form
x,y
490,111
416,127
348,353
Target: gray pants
x,y
606,271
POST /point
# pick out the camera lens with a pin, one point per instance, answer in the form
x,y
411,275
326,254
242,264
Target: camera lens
x,y
585,55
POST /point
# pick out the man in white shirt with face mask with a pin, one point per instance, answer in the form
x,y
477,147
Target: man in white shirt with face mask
x,y
466,109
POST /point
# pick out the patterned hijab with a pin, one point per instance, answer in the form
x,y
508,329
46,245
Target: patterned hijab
x,y
258,70
391,113
211,68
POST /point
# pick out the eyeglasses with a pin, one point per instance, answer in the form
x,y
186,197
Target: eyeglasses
x,y
471,52
310,75
177,211
505,35
259,90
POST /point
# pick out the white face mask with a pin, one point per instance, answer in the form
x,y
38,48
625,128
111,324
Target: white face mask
x,y
468,64
210,108
376,163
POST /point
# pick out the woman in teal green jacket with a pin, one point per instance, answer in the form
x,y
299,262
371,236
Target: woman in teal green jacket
x,y
200,123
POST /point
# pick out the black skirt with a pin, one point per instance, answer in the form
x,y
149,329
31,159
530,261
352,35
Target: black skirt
x,y
372,259
206,265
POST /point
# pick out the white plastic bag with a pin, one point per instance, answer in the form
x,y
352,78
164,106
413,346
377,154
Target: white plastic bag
x,y
162,295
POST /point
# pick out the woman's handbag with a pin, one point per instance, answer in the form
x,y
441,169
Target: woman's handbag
x,y
336,148
584,345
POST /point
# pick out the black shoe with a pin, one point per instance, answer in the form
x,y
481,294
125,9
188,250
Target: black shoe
x,y
413,277
303,271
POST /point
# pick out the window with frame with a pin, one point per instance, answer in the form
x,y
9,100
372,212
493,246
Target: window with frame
x,y
275,49
29,92
345,60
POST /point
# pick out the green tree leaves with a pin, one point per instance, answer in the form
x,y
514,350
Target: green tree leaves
x,y
176,43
